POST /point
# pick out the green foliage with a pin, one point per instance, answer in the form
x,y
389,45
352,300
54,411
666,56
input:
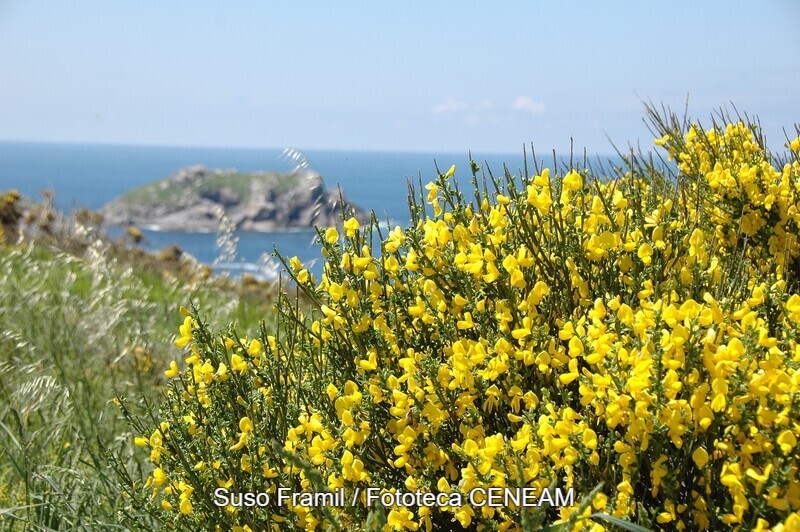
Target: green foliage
x,y
629,336
238,184
74,331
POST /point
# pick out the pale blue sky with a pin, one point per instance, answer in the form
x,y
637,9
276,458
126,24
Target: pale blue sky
x,y
411,75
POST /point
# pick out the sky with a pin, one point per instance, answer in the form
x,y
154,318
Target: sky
x,y
399,76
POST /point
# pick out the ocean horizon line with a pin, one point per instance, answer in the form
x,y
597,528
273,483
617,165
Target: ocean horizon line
x,y
273,149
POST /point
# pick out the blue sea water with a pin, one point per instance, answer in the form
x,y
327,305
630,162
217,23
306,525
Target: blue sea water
x,y
83,175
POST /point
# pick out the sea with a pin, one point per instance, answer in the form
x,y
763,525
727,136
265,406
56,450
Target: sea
x,y
89,176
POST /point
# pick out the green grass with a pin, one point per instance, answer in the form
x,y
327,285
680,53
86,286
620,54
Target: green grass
x,y
149,194
76,328
240,183
237,182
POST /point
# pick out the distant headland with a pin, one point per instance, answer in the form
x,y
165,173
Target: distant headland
x,y
190,201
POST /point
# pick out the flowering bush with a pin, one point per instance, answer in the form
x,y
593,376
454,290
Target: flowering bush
x,y
9,215
634,338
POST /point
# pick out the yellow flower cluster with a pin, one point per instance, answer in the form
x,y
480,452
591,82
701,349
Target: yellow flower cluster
x,y
635,338
743,196
10,215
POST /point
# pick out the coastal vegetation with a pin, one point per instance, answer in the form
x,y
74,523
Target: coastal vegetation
x,y
632,335
83,318
238,185
194,198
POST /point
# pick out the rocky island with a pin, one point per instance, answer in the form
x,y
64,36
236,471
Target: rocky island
x,y
190,200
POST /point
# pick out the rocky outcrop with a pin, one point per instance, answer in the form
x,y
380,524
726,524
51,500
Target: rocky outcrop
x,y
192,199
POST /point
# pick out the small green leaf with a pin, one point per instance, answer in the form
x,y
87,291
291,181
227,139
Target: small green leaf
x,y
621,523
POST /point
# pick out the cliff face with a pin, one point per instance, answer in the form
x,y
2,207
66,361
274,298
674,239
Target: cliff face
x,y
190,199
